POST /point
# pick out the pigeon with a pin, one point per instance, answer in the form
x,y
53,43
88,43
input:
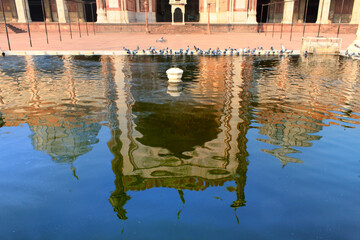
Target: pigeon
x,y
161,39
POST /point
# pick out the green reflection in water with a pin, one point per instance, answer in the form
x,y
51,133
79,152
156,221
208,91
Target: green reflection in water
x,y
176,127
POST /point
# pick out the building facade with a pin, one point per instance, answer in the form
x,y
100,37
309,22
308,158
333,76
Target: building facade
x,y
189,11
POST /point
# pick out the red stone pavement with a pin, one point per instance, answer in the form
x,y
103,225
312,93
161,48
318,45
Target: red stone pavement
x,y
116,41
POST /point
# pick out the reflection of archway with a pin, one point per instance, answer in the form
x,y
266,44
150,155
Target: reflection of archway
x,y
36,10
163,11
178,16
262,17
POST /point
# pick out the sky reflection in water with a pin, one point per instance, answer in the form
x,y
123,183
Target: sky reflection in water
x,y
103,148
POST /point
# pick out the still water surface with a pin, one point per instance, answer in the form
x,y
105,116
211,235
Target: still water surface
x,y
245,148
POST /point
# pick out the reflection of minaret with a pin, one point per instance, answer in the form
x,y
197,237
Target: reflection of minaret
x,y
33,80
71,89
241,121
115,86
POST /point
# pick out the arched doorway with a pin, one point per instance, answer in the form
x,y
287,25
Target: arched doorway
x,y
262,12
178,16
90,11
312,11
36,10
163,11
192,11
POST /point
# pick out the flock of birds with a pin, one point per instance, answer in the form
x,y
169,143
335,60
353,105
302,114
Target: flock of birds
x,y
209,52
353,54
258,51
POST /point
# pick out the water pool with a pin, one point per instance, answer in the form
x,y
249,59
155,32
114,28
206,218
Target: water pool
x,y
103,147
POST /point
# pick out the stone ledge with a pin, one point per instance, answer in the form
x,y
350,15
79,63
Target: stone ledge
x,y
147,53
320,45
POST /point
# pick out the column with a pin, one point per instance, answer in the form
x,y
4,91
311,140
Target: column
x,y
323,12
13,11
252,12
48,13
358,32
332,12
301,11
137,5
62,11
101,11
80,9
151,15
203,14
183,14
218,16
22,9
288,13
355,16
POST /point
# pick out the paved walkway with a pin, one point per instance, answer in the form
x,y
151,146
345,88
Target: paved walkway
x,y
116,41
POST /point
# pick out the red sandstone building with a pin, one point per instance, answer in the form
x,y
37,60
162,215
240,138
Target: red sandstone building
x,y
184,11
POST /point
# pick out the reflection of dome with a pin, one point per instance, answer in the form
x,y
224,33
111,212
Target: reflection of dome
x,y
176,126
287,129
66,142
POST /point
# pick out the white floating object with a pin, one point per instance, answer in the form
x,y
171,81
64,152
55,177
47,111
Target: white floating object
x,y
174,75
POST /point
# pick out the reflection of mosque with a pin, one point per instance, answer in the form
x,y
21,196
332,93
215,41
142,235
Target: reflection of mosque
x,y
188,143
291,111
50,98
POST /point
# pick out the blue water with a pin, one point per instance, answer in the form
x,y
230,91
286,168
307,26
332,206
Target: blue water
x,y
254,148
